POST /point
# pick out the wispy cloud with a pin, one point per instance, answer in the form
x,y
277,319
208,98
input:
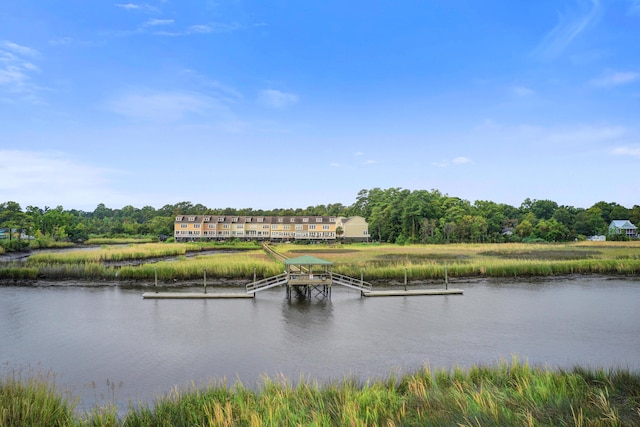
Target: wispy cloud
x,y
460,160
273,98
570,25
16,71
615,78
627,151
158,22
144,7
522,91
50,178
164,106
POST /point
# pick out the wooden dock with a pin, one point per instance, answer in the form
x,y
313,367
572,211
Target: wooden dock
x,y
412,292
195,295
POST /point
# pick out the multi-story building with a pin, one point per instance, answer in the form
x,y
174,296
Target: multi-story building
x,y
274,228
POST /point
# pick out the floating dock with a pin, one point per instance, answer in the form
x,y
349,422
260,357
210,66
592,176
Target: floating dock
x,y
413,292
195,295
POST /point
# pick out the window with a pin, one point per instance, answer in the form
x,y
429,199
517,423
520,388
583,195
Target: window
x,y
332,220
211,225
220,219
183,225
319,219
280,219
192,218
312,227
325,227
247,219
299,227
225,226
234,219
292,220
287,227
178,218
260,219
196,225
305,219
274,226
207,218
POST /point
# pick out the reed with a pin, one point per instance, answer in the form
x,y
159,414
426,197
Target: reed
x,y
224,265
32,399
508,393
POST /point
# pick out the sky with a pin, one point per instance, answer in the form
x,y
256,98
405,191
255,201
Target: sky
x,y
296,103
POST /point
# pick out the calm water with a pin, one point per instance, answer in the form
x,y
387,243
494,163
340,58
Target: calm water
x,y
108,344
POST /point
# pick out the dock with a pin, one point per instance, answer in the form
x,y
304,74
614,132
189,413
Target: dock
x,y
412,292
195,295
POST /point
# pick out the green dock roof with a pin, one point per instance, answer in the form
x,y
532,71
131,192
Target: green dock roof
x,y
307,260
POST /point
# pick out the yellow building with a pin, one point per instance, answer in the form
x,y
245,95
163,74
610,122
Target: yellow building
x,y
275,228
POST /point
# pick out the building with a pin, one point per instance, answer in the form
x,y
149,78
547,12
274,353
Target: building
x,y
272,228
353,229
623,226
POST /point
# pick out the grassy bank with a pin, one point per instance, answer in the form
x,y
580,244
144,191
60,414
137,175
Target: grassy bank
x,y
376,262
508,394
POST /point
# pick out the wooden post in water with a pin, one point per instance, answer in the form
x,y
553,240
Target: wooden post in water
x,y
254,275
155,283
446,276
205,280
405,278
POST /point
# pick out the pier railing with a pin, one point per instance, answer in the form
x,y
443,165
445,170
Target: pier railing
x,y
350,282
269,282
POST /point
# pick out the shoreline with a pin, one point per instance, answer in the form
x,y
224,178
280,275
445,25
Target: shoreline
x,y
241,283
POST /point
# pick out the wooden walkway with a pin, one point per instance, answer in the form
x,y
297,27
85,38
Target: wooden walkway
x,y
195,295
412,292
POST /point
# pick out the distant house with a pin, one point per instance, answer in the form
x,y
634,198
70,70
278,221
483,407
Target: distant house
x,y
354,228
623,226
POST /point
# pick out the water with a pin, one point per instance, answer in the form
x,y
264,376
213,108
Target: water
x,y
107,344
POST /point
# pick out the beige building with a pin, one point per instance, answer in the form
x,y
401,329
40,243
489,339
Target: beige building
x,y
274,228
354,228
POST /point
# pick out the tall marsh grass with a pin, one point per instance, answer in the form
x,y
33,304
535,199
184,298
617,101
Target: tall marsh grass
x,y
376,262
508,394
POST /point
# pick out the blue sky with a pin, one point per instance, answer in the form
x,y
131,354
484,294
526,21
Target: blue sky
x,y
278,104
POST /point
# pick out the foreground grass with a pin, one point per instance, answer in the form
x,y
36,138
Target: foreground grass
x,y
509,394
374,261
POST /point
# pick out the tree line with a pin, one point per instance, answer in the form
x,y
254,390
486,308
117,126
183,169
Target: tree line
x,y
395,215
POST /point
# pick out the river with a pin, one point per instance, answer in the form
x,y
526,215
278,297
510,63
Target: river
x,y
105,344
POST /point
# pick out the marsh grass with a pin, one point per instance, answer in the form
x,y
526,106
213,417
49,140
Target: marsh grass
x,y
376,262
32,399
222,265
507,394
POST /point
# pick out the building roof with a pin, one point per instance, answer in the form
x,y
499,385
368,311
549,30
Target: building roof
x,y
307,260
624,224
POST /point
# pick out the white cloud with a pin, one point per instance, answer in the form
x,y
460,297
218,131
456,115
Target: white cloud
x,y
615,78
461,160
133,6
276,99
370,162
61,41
16,71
157,22
570,25
586,134
522,91
19,49
627,151
163,106
51,178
